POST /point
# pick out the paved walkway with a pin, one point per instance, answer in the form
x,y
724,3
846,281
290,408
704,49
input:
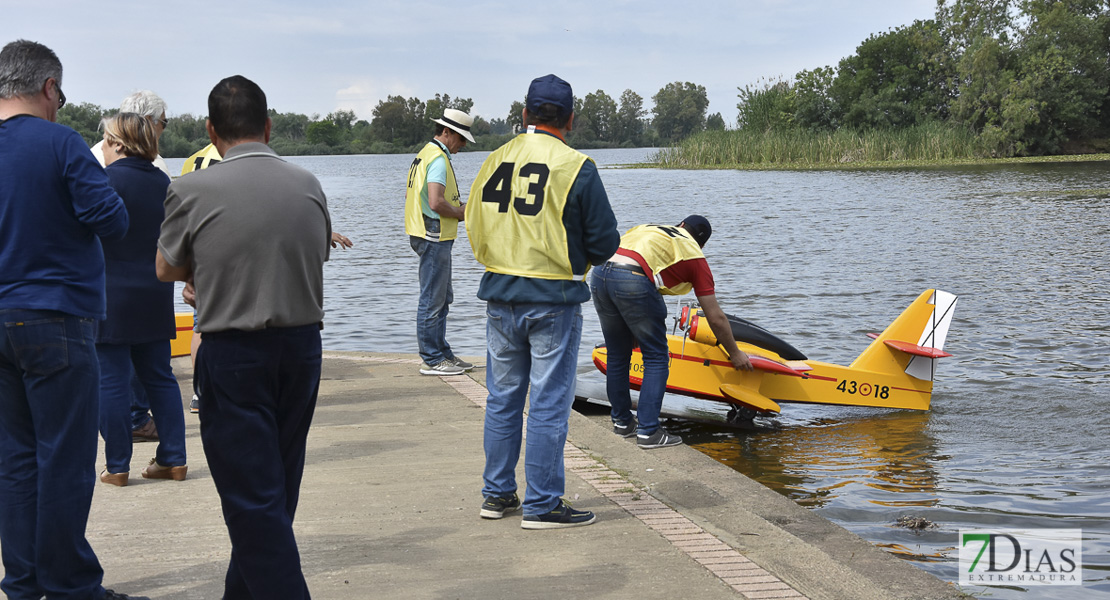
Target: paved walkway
x,y
389,509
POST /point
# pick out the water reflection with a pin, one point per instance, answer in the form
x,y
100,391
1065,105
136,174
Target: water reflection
x,y
815,461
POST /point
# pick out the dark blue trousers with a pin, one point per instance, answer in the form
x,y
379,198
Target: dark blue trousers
x,y
120,365
258,394
140,405
49,390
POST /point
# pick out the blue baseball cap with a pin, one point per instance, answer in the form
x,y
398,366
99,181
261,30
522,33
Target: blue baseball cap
x,y
550,89
699,227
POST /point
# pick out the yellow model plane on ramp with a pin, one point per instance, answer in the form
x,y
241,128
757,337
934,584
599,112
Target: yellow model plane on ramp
x,y
895,371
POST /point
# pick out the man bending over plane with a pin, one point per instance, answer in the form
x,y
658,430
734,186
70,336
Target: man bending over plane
x,y
653,260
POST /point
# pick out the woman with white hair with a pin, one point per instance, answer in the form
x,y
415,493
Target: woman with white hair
x,y
151,106
135,338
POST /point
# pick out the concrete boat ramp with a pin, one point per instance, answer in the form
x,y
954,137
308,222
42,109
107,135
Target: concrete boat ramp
x,y
390,500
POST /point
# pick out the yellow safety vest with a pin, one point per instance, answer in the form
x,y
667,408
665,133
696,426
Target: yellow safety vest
x,y
662,246
415,204
201,159
514,218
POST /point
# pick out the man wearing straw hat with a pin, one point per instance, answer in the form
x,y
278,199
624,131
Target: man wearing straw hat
x,y
432,214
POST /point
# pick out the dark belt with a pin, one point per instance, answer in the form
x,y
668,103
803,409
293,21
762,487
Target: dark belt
x,y
627,267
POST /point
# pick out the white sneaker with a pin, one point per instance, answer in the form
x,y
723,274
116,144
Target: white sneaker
x,y
444,368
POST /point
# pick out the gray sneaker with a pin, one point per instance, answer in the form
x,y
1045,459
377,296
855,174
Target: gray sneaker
x,y
659,439
460,363
626,430
444,368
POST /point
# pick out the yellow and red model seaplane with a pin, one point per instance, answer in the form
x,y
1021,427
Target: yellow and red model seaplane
x,y
179,346
895,371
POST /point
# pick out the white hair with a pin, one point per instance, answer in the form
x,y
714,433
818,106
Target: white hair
x,y
144,102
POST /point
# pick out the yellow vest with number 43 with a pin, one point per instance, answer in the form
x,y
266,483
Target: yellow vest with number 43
x,y
201,159
414,212
662,246
514,218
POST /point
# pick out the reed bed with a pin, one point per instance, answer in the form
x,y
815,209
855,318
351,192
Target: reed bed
x,y
795,148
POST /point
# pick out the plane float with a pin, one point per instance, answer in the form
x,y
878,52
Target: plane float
x,y
895,371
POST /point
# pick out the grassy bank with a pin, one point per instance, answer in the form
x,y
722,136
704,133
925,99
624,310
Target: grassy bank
x,y
793,149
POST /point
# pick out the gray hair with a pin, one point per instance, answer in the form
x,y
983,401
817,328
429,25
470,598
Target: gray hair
x,y
25,66
145,103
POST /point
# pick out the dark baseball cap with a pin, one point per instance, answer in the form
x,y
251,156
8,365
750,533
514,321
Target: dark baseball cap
x,y
550,89
699,227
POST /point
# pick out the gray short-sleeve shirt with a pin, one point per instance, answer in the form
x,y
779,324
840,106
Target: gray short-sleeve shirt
x,y
255,231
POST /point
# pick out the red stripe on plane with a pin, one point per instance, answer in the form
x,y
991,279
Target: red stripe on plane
x,y
759,362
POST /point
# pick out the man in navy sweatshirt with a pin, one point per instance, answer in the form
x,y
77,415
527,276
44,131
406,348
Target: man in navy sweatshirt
x,y
55,201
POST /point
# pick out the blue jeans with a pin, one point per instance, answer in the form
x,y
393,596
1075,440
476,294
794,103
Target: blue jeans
x,y
49,388
533,344
140,405
258,393
150,363
632,312
436,297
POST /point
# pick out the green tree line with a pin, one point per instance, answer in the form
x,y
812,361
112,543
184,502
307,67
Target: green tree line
x,y
1023,77
983,78
403,125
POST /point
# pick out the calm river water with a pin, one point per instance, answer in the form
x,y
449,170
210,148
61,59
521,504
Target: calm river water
x,y
1018,433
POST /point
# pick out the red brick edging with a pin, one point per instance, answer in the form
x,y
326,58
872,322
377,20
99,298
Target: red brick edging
x,y
724,561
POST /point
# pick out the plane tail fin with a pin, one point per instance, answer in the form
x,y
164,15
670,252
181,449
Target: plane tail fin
x,y
915,340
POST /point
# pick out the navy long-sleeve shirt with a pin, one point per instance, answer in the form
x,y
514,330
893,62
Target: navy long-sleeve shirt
x,y
140,308
55,200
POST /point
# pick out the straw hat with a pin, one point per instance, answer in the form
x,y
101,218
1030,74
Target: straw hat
x,y
457,120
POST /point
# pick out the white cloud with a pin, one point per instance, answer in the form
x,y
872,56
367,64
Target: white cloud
x,y
350,54
363,95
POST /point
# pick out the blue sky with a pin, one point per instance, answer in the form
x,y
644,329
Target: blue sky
x,y
316,57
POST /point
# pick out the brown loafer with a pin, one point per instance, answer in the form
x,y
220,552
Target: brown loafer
x,y
147,433
157,471
119,479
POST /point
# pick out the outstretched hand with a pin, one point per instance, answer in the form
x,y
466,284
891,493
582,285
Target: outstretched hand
x,y
340,240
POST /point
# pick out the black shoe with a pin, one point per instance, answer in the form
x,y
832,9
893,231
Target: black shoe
x,y
625,431
562,516
110,595
495,507
659,439
194,405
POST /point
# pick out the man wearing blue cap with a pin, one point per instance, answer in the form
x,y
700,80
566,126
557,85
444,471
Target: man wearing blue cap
x,y
538,217
653,260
